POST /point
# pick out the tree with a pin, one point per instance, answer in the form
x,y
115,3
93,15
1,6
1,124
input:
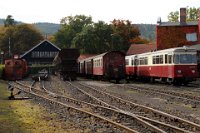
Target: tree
x,y
94,39
70,27
173,16
124,32
192,15
20,37
9,21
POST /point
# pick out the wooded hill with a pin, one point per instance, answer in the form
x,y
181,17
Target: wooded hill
x,y
147,30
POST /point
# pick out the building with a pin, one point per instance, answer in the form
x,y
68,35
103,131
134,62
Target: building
x,y
140,48
177,34
42,53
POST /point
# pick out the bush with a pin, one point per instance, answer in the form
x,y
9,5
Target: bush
x,y
1,70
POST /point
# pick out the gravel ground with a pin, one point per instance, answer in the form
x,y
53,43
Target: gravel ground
x,y
157,102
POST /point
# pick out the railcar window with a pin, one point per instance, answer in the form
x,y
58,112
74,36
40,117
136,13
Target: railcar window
x,y
132,62
187,58
165,58
170,59
145,60
161,59
127,62
176,59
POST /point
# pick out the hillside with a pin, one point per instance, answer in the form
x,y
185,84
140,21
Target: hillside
x,y
147,30
47,28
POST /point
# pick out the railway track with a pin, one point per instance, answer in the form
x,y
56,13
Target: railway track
x,y
120,119
182,97
141,111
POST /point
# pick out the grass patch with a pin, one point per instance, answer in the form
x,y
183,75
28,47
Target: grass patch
x,y
131,91
22,116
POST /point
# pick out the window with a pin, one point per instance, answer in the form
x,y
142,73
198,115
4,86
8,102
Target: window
x,y
143,60
191,37
165,58
170,59
127,62
186,58
158,59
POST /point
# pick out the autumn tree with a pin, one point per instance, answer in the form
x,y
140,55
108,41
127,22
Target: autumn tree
x,y
124,33
192,15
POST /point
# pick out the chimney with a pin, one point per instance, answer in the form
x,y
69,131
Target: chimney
x,y
182,15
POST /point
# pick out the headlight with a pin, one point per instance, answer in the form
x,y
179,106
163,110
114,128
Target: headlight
x,y
193,71
179,71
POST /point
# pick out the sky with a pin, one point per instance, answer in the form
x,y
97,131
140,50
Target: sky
x,y
52,11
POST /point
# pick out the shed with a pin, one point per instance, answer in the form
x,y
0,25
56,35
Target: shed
x,y
42,53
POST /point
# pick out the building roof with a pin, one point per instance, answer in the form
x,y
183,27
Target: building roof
x,y
84,56
140,48
178,23
39,45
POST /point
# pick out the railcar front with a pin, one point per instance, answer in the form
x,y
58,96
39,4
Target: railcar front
x,y
15,69
185,66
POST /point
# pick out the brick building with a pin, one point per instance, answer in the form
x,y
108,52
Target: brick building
x,y
177,34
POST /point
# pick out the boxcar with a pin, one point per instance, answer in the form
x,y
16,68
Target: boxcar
x,y
109,65
15,69
66,65
175,65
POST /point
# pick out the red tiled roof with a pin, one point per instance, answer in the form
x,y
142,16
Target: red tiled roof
x,y
140,48
84,56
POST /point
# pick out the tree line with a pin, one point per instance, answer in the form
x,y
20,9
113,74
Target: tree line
x,y
80,32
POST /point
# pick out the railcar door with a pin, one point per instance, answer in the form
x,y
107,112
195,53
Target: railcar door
x,y
170,65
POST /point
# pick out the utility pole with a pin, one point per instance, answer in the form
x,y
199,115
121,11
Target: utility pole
x,y
9,47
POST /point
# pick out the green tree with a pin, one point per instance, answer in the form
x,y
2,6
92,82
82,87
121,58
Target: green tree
x,y
70,27
173,16
20,37
94,39
9,21
192,15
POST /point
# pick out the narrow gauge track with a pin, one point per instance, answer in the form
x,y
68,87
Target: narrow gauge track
x,y
141,111
120,119
185,98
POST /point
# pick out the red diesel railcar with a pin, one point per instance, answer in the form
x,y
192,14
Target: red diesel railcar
x,y
175,65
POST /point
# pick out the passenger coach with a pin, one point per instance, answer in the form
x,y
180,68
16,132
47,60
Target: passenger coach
x,y
109,65
175,65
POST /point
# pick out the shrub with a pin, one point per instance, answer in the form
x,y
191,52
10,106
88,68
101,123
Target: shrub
x,y
1,71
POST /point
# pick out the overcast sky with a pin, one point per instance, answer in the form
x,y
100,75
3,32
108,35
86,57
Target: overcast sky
x,y
137,11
